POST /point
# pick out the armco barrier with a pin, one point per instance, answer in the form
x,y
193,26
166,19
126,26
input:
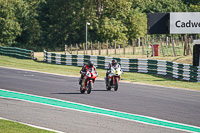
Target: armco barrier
x,y
168,68
17,52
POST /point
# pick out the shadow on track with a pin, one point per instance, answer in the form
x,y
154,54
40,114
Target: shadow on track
x,y
67,93
71,93
99,90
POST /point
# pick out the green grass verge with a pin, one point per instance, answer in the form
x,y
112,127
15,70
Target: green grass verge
x,y
74,70
15,127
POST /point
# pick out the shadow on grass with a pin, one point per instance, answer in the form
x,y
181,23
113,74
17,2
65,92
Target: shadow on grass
x,y
177,59
158,80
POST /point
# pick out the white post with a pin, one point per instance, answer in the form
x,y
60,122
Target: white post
x,y
138,41
147,47
167,40
86,35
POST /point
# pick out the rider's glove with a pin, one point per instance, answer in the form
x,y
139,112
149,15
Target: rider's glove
x,y
83,72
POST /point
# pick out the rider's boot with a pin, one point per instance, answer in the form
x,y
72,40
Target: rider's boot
x,y
107,79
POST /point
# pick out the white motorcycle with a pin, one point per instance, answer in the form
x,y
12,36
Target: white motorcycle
x,y
112,81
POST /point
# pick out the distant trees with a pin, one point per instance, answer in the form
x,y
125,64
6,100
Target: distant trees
x,y
38,24
18,23
10,27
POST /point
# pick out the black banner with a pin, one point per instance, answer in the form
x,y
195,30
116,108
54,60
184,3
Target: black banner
x,y
158,23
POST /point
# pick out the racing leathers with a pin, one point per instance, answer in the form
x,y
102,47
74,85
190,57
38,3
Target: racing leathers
x,y
84,70
109,69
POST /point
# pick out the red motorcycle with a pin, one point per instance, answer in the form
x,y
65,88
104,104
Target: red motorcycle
x,y
88,81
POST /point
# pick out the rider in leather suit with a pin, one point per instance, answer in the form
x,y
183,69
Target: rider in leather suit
x,y
89,65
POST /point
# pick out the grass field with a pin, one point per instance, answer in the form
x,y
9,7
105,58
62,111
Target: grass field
x,y
168,52
74,70
15,127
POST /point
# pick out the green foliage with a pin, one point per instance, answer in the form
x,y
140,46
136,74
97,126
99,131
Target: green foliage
x,y
19,25
191,2
195,8
30,26
136,24
49,24
9,26
62,22
111,29
153,6
112,22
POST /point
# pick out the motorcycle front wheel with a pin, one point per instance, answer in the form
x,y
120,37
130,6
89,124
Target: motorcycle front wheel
x,y
90,87
116,84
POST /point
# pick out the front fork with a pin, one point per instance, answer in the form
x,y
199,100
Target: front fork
x,y
115,77
114,80
89,80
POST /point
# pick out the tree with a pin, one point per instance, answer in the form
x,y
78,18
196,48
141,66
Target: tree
x,y
62,22
111,23
155,6
9,25
29,24
112,29
38,24
136,24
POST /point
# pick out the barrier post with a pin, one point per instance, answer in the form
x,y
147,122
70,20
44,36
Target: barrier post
x,y
173,47
91,49
124,47
133,42
76,48
65,49
115,48
107,47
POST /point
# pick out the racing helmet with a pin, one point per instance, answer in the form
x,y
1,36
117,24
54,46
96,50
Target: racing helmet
x,y
90,64
114,62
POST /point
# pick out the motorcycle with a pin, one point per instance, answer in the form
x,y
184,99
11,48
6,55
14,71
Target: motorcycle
x,y
88,81
112,81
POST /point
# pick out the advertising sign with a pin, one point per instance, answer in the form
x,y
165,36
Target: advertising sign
x,y
184,22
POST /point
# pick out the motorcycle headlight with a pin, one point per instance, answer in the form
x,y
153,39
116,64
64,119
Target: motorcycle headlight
x,y
116,72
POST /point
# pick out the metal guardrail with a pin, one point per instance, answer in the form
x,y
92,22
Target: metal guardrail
x,y
167,68
17,52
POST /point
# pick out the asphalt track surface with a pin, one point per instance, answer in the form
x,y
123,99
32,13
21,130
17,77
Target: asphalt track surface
x,y
177,105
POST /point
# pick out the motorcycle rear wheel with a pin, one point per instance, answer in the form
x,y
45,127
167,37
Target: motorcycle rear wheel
x,y
108,88
82,91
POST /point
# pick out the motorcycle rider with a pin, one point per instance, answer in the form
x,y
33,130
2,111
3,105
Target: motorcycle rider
x,y
88,66
113,63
